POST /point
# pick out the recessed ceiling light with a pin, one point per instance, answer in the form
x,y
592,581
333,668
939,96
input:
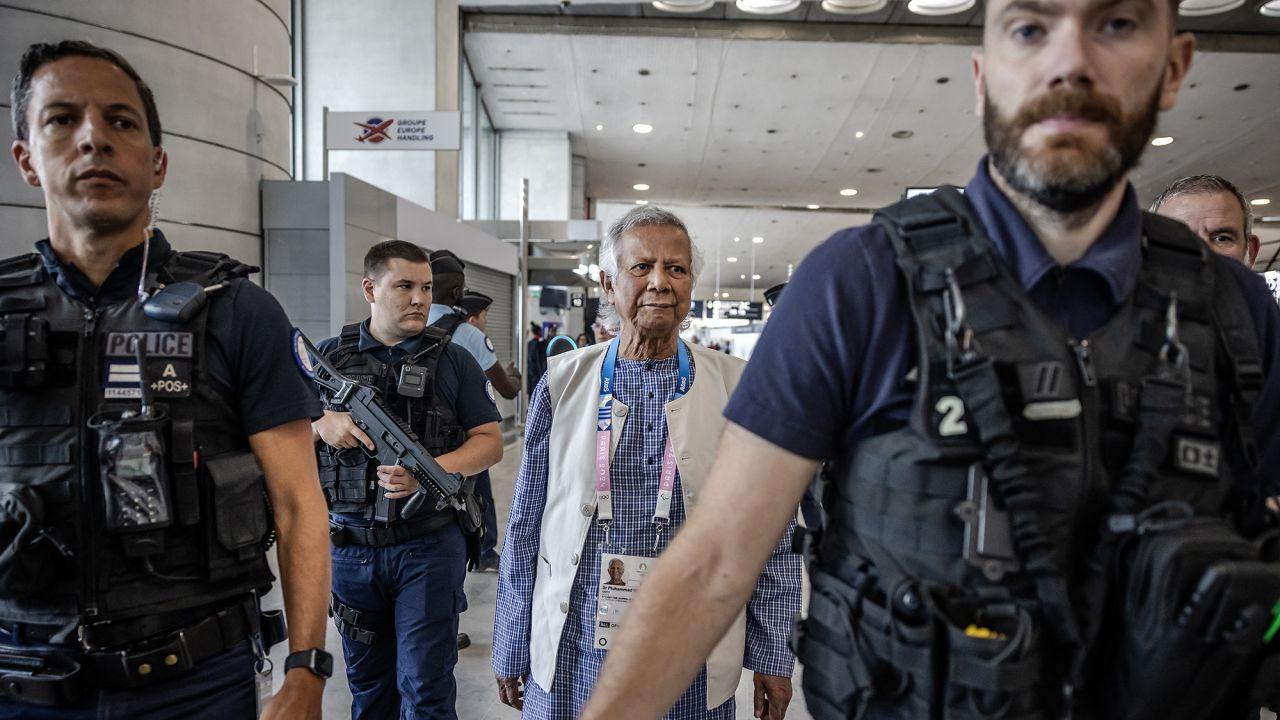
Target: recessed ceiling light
x,y
848,192
724,295
684,6
599,127
1270,9
590,246
755,277
858,134
1196,8
939,7
737,239
1162,141
743,277
853,7
812,207
757,239
767,7
731,259
640,186
1260,201
642,128
642,202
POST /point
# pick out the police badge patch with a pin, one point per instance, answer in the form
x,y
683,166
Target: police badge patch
x,y
168,369
488,343
488,390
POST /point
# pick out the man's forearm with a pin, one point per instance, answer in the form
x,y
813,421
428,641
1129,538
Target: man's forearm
x,y
482,450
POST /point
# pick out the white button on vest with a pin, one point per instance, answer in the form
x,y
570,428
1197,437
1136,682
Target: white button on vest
x,y
564,607
575,558
586,509
619,410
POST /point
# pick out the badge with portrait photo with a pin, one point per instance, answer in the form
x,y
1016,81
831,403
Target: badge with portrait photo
x,y
620,578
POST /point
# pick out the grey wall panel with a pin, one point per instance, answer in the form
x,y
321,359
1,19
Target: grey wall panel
x,y
297,294
280,8
371,208
247,248
22,228
225,130
198,97
211,186
295,205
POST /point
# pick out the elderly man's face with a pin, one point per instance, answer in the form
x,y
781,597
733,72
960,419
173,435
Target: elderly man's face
x,y
653,288
1218,219
1069,91
615,571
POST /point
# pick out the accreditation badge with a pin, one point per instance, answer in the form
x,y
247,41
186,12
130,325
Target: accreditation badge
x,y
620,578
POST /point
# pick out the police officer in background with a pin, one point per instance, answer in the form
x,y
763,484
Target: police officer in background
x,y
397,585
475,307
145,424
1052,418
450,287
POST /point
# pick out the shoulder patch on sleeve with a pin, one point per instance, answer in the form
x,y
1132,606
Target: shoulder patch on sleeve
x,y
488,390
488,343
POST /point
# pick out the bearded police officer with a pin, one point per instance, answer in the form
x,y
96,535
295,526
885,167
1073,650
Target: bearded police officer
x,y
1048,414
151,409
397,584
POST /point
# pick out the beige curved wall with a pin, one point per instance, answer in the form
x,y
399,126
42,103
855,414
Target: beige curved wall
x,y
224,130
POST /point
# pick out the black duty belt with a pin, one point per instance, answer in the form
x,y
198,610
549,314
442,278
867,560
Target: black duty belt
x,y
51,676
381,536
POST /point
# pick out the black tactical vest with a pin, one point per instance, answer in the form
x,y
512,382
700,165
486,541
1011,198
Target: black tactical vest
x,y
349,476
64,366
957,575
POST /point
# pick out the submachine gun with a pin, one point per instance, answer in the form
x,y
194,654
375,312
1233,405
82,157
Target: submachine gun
x,y
394,441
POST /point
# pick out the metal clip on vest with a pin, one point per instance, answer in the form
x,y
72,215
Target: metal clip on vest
x,y
959,336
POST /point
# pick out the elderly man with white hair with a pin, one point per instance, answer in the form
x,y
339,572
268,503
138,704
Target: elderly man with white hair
x,y
619,440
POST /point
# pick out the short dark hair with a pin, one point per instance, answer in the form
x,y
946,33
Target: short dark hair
x,y
41,54
1206,185
375,261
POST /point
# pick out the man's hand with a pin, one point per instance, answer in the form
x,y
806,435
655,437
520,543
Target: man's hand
x,y
773,694
510,692
299,698
337,430
396,481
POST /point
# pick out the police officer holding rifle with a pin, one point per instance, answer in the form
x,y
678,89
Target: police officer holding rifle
x,y
398,558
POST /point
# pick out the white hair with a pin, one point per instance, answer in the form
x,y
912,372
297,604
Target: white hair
x,y
640,216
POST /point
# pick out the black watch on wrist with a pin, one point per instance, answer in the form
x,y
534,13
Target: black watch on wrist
x,y
315,660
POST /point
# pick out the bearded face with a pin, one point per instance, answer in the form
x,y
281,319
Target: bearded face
x,y
1068,171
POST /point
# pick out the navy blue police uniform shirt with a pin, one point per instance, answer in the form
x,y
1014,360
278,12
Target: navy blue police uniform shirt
x,y
459,380
852,317
249,352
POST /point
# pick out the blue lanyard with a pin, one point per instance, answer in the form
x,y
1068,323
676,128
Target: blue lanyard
x,y
604,426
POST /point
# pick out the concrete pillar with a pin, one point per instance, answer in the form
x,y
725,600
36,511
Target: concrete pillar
x,y
543,156
224,129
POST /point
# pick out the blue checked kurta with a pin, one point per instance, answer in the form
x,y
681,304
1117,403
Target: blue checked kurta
x,y
646,388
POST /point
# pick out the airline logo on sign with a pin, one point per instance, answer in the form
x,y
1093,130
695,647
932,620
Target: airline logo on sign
x,y
375,131
393,130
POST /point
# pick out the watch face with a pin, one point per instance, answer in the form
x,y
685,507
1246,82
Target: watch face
x,y
324,663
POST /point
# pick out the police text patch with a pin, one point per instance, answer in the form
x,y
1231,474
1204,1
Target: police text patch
x,y
157,344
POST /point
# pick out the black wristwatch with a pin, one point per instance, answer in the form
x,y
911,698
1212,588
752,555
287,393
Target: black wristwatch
x,y
315,660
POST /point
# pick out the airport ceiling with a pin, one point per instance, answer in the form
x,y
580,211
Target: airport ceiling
x,y
755,120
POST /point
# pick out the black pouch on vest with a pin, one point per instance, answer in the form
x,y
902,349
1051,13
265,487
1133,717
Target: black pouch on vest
x,y
994,662
30,556
239,503
24,350
1200,612
344,477
471,520
863,657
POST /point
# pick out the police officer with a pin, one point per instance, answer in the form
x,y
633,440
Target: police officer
x,y
397,585
1048,412
475,307
147,421
451,286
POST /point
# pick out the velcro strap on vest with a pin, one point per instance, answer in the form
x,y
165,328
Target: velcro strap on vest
x,y
46,415
28,455
1005,676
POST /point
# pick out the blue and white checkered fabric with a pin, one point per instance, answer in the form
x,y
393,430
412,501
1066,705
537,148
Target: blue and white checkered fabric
x,y
645,387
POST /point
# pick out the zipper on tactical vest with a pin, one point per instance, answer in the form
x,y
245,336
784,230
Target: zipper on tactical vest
x,y
1084,360
89,524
